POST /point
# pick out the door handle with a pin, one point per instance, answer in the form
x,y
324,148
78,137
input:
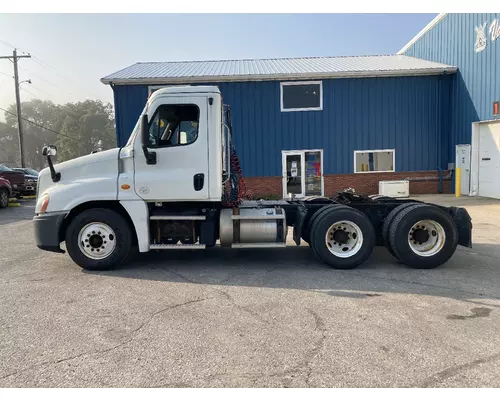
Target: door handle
x,y
198,182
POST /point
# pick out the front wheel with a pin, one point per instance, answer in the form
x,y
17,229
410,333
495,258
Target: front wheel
x,y
342,237
98,239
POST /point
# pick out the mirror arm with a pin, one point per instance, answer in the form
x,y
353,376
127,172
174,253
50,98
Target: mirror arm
x,y
150,155
56,176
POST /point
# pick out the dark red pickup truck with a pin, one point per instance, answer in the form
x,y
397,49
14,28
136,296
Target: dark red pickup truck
x,y
5,192
15,178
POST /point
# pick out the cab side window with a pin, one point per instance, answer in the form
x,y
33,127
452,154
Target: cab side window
x,y
174,125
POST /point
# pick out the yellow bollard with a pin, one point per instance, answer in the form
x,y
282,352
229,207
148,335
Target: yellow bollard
x,y
457,183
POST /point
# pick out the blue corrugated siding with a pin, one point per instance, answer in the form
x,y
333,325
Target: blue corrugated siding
x,y
404,113
129,103
477,84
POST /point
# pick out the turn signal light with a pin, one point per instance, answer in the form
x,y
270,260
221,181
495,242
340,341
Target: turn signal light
x,y
125,186
42,204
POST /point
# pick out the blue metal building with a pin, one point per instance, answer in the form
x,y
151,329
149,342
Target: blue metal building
x,y
472,43
346,116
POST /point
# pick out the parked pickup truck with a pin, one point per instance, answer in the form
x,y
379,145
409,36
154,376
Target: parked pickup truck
x,y
15,178
5,192
30,180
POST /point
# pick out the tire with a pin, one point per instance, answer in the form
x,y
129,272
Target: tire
x,y
435,225
360,237
4,198
387,225
306,235
117,240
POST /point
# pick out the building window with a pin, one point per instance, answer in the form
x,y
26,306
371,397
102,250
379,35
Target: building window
x,y
374,160
174,125
301,96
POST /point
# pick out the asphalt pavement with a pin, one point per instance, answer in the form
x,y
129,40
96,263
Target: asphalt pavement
x,y
249,318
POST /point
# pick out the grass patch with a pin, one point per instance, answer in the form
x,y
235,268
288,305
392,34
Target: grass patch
x,y
14,203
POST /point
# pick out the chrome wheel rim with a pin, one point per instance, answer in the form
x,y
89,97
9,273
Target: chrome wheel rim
x,y
426,238
96,240
344,239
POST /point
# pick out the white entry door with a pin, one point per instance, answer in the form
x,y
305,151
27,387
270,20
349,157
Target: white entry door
x,y
462,161
302,173
489,160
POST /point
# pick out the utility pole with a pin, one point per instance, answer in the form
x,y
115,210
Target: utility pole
x,y
14,58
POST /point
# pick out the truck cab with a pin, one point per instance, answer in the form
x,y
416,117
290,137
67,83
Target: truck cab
x,y
177,184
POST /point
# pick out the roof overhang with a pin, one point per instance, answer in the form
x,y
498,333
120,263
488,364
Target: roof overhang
x,y
426,29
283,77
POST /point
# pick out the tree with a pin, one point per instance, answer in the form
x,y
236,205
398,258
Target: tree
x,y
87,125
9,149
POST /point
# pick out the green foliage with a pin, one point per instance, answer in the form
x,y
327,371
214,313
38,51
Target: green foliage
x,y
84,123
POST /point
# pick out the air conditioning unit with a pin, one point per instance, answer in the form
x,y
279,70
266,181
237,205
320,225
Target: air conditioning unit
x,y
394,188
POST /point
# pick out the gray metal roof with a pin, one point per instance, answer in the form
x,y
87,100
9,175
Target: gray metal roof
x,y
272,69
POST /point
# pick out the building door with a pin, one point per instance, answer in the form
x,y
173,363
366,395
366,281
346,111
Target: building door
x,y
302,173
292,174
463,162
489,160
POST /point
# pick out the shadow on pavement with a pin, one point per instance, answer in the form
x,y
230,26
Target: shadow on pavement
x,y
298,268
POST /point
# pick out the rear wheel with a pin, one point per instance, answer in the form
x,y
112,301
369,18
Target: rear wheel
x,y
98,239
4,198
423,236
306,235
388,222
342,237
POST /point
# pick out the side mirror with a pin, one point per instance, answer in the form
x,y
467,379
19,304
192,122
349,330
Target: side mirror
x,y
150,155
144,130
49,151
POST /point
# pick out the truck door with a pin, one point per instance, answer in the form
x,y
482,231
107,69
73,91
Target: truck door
x,y
178,135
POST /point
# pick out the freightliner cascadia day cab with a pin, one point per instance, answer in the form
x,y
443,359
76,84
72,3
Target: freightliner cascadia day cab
x,y
177,184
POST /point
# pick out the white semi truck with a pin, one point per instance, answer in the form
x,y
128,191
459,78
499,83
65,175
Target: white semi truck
x,y
176,184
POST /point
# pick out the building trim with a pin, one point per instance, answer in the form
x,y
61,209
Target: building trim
x,y
281,77
426,29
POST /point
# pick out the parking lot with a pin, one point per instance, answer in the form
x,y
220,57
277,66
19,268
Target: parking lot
x,y
272,318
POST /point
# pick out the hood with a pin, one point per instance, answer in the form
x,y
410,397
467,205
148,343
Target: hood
x,y
88,160
98,165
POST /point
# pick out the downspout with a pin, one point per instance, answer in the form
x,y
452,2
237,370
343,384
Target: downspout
x,y
440,135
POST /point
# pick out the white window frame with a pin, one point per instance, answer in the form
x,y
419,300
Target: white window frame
x,y
376,151
302,154
296,83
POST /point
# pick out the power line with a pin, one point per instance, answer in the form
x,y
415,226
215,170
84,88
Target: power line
x,y
15,59
41,126
29,92
45,80
43,64
41,90
7,44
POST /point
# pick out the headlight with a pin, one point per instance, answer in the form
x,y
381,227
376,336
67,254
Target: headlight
x,y
42,204
31,181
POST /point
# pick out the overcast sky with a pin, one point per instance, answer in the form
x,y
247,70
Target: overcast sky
x,y
73,51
